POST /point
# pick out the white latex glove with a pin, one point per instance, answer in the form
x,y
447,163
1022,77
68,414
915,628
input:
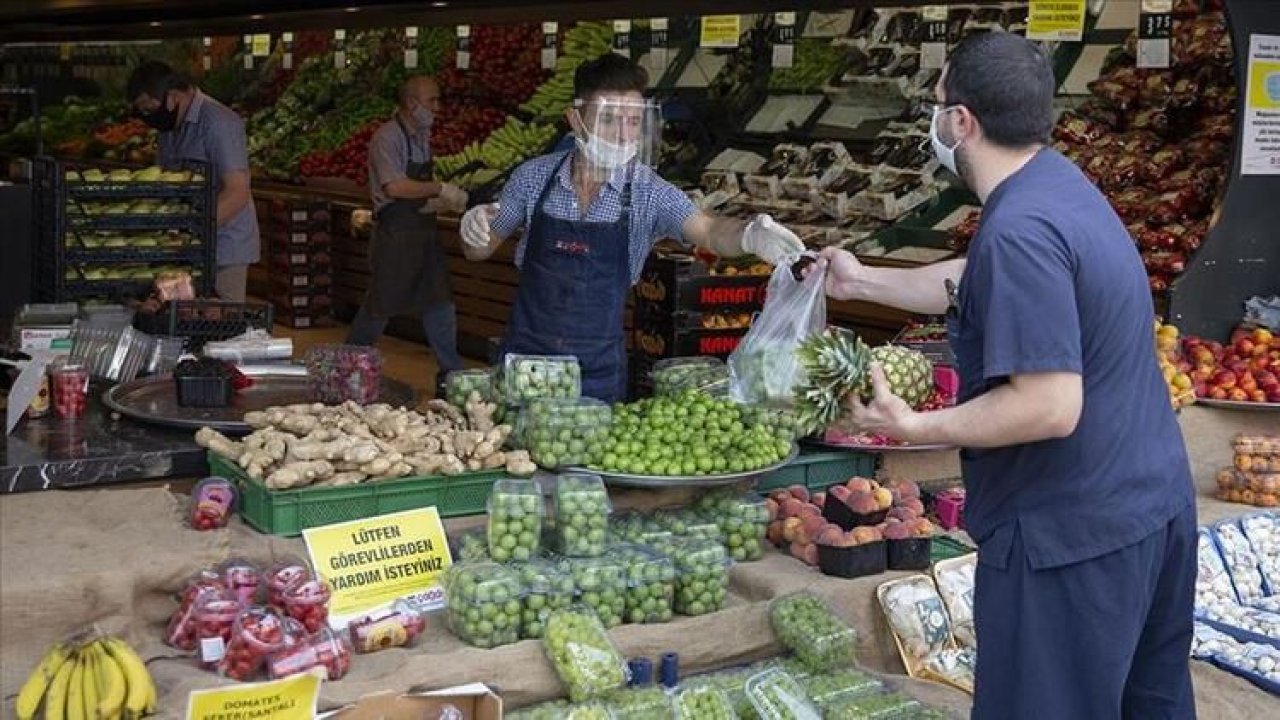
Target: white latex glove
x,y
475,225
452,199
769,241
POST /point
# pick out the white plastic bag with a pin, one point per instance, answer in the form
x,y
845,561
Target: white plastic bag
x,y
764,368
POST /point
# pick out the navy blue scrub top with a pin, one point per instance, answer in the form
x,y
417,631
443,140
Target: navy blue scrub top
x,y
1054,283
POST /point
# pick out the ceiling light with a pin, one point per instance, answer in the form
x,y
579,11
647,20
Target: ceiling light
x,y
154,23
353,9
439,3
255,17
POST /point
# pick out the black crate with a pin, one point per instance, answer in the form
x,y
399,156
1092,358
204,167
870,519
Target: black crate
x,y
666,340
202,321
203,392
673,283
62,225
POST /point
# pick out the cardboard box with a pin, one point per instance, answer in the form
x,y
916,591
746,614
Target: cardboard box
x,y
465,702
52,337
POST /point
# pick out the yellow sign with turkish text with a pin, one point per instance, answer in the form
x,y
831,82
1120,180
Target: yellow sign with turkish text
x,y
371,563
293,698
720,31
1056,20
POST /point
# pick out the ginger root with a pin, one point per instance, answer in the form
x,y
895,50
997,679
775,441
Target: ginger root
x,y
519,463
299,474
210,439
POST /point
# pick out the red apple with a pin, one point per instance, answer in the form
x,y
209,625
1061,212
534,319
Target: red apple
x,y
1258,396
1218,393
1244,346
1224,380
1273,395
1238,395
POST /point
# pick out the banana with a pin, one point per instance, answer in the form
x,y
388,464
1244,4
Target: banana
x,y
114,686
36,685
89,699
141,689
75,690
55,702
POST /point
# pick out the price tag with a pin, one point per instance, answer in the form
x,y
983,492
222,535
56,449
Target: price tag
x,y
550,36
1155,31
262,45
933,37
622,37
372,563
207,61
293,698
248,52
658,42
301,280
339,49
784,39
299,238
720,31
411,47
299,301
287,61
64,51
1056,20
464,47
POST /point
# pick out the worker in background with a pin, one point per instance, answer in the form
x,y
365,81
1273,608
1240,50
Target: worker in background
x,y
409,271
194,126
590,217
1080,495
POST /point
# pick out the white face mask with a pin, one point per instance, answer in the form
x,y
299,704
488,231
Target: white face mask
x,y
946,155
603,154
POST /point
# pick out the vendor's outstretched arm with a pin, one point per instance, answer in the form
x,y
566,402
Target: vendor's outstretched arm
x,y
721,235
919,290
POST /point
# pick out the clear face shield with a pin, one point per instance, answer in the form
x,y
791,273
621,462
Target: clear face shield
x,y
612,132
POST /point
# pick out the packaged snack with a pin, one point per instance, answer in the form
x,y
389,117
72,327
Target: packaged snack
x,y
917,617
954,579
953,666
1266,445
1241,561
584,657
806,626
1263,533
398,627
1213,582
516,508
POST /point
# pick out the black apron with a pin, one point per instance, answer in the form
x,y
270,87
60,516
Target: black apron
x,y
408,269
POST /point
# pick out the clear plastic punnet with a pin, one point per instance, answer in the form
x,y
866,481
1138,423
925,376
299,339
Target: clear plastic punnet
x,y
584,657
514,531
582,515
529,377
565,432
484,603
806,626
775,695
547,588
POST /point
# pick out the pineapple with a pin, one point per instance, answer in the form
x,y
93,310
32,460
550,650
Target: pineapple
x,y
837,362
909,372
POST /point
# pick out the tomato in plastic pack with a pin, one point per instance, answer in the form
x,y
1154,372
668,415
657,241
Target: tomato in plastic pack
x,y
258,632
326,649
397,627
212,501
182,631
282,575
308,603
215,617
242,577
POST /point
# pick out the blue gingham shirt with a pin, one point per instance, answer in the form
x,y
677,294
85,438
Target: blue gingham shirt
x,y
658,208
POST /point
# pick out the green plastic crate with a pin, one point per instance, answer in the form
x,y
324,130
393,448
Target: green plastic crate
x,y
289,512
820,470
946,548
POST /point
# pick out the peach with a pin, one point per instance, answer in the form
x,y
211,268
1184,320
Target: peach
x,y
830,535
921,527
864,535
915,505
772,506
897,531
884,498
901,513
841,493
797,551
799,492
791,508
905,488
818,499
863,503
774,533
779,496
790,527
811,555
807,510
859,484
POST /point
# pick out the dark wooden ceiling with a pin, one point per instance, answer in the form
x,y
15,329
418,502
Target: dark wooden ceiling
x,y
70,20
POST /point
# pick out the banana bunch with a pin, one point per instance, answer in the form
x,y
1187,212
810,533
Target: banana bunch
x,y
102,679
582,42
449,165
514,142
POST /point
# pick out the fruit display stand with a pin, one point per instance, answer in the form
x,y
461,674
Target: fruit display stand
x,y
106,234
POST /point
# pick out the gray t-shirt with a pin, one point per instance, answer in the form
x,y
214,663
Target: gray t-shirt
x,y
389,154
214,133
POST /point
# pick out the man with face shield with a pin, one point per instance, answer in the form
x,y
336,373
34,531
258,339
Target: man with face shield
x,y
409,274
194,126
1079,492
590,217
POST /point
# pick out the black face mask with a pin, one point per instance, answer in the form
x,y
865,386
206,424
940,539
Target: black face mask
x,y
162,118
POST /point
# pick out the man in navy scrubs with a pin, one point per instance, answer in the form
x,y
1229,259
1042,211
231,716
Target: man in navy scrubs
x,y
1079,492
590,217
